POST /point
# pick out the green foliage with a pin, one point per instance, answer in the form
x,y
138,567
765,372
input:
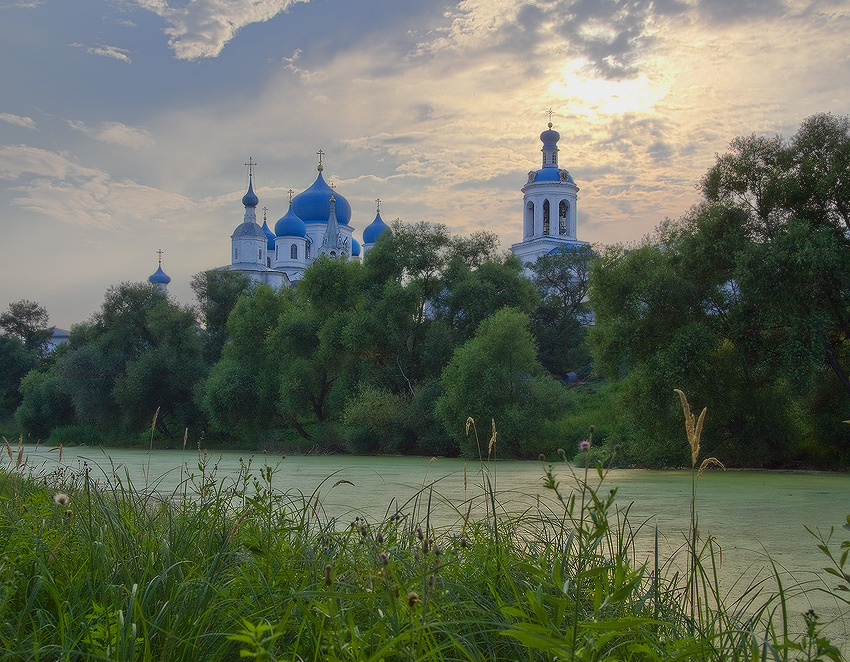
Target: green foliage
x,y
562,280
45,405
217,291
226,569
744,303
496,375
138,355
27,321
15,362
240,395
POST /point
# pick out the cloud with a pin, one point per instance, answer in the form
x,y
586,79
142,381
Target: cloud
x,y
114,133
202,28
113,52
53,184
26,122
23,4
309,77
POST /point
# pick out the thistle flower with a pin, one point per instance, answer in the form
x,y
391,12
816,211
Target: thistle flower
x,y
412,598
584,446
60,498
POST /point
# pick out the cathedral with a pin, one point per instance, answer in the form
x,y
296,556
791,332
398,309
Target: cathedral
x,y
318,222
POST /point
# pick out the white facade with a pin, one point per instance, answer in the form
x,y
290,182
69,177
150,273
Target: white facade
x,y
316,223
548,206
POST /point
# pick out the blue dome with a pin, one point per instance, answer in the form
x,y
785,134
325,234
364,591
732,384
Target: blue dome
x,y
290,225
550,137
159,276
250,199
355,247
553,175
314,206
375,228
269,235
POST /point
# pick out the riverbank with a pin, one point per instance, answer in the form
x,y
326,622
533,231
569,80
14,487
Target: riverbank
x,y
111,568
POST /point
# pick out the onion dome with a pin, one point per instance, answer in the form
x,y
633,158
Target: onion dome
x,y
269,235
355,248
314,206
290,225
250,199
375,228
159,277
550,137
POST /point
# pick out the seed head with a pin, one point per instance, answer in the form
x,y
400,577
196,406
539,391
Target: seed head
x,y
60,498
412,598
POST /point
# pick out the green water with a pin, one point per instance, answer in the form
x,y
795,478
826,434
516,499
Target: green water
x,y
751,514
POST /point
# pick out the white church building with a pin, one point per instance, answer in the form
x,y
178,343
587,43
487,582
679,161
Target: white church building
x,y
548,206
318,222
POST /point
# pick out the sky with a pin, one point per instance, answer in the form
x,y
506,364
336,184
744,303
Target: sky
x,y
125,125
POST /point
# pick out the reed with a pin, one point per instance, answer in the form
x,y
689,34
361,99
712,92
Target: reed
x,y
94,568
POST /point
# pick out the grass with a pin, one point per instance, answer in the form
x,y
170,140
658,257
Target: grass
x,y
223,569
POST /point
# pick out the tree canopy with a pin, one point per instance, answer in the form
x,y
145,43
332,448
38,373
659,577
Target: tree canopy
x,y
744,303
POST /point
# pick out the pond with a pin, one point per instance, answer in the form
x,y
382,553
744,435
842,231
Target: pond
x,y
753,515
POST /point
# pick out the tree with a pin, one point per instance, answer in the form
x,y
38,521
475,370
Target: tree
x,y
15,362
496,376
217,291
744,303
562,280
27,321
240,396
138,355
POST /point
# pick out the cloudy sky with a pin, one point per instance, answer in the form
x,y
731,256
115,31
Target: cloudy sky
x,y
125,124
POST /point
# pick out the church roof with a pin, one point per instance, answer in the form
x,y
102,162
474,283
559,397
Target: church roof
x,y
159,276
269,235
374,229
291,225
250,199
249,229
313,205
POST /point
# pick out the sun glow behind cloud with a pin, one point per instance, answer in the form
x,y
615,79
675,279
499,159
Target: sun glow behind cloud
x,y
597,96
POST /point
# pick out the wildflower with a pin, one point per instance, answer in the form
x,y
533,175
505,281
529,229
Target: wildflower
x,y
328,574
542,457
379,538
383,558
412,598
584,446
60,498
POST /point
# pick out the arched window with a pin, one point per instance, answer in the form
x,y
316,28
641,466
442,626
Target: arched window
x,y
293,251
260,254
562,217
545,217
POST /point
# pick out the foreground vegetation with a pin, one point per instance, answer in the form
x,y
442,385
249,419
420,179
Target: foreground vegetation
x,y
218,570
